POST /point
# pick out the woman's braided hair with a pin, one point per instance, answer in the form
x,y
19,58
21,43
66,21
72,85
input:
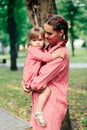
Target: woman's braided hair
x,y
58,23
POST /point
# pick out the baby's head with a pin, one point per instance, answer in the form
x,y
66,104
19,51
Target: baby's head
x,y
37,37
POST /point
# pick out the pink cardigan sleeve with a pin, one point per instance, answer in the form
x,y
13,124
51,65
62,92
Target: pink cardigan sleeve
x,y
48,72
40,55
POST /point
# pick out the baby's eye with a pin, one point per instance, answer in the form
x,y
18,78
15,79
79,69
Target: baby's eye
x,y
34,40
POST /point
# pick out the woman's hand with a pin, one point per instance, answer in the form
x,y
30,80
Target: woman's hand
x,y
25,88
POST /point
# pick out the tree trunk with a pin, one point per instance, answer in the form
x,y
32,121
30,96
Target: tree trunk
x,y
66,124
12,33
72,45
72,37
38,11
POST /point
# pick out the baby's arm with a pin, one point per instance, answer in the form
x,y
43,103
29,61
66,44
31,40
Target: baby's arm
x,y
45,56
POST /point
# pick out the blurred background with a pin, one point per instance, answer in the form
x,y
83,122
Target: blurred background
x,y
16,19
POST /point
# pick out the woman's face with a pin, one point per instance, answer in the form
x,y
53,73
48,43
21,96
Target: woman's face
x,y
51,35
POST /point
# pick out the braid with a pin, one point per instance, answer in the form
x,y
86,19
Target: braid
x,y
50,15
66,38
63,21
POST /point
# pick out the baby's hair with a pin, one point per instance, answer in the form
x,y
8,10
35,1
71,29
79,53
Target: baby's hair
x,y
35,32
58,23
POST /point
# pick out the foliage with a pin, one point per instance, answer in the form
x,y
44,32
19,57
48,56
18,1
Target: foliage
x,y
21,19
75,11
3,23
3,12
4,38
78,8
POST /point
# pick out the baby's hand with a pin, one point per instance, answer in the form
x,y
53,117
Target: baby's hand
x,y
25,88
58,53
61,54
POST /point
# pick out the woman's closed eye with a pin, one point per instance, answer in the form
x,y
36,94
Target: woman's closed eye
x,y
48,33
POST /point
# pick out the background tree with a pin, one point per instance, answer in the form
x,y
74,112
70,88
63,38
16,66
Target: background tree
x,y
38,11
14,27
12,33
75,11
82,20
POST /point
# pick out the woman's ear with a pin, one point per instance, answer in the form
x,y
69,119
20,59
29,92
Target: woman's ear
x,y
61,33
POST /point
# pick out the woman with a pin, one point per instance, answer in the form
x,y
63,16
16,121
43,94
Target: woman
x,y
36,55
54,74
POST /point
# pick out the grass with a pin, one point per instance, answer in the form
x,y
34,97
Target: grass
x,y
16,101
11,95
80,56
78,98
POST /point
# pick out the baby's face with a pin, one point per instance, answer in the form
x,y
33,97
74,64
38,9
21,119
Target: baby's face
x,y
38,42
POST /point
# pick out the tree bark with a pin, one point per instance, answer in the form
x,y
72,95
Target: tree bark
x,y
72,37
66,124
38,11
12,34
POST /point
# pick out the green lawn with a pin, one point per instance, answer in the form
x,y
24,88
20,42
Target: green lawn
x,y
16,101
80,56
78,97
12,96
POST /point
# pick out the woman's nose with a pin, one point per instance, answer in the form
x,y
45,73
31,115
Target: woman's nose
x,y
46,36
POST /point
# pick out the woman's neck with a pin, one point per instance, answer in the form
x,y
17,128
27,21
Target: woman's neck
x,y
57,43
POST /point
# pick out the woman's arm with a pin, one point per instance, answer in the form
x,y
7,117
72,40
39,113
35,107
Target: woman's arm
x,y
48,72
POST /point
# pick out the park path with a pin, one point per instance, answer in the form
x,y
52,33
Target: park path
x,y
72,65
9,121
